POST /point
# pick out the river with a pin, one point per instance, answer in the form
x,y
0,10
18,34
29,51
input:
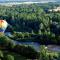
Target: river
x,y
36,45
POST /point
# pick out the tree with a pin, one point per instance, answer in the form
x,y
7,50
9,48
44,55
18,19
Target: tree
x,y
9,57
43,53
58,56
4,40
1,55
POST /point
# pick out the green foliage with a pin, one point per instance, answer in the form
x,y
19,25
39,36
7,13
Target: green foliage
x,y
30,22
1,54
4,40
43,53
9,57
18,35
46,54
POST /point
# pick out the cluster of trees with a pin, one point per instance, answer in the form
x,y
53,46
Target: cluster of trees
x,y
48,55
45,38
28,18
33,21
30,23
44,54
5,56
27,52
12,46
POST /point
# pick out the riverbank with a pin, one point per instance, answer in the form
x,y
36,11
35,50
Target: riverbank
x,y
54,48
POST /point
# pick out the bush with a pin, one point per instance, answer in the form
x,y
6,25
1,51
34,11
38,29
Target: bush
x,y
9,57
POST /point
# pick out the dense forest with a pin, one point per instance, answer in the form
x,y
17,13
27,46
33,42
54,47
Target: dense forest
x,y
34,22
12,51
31,22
